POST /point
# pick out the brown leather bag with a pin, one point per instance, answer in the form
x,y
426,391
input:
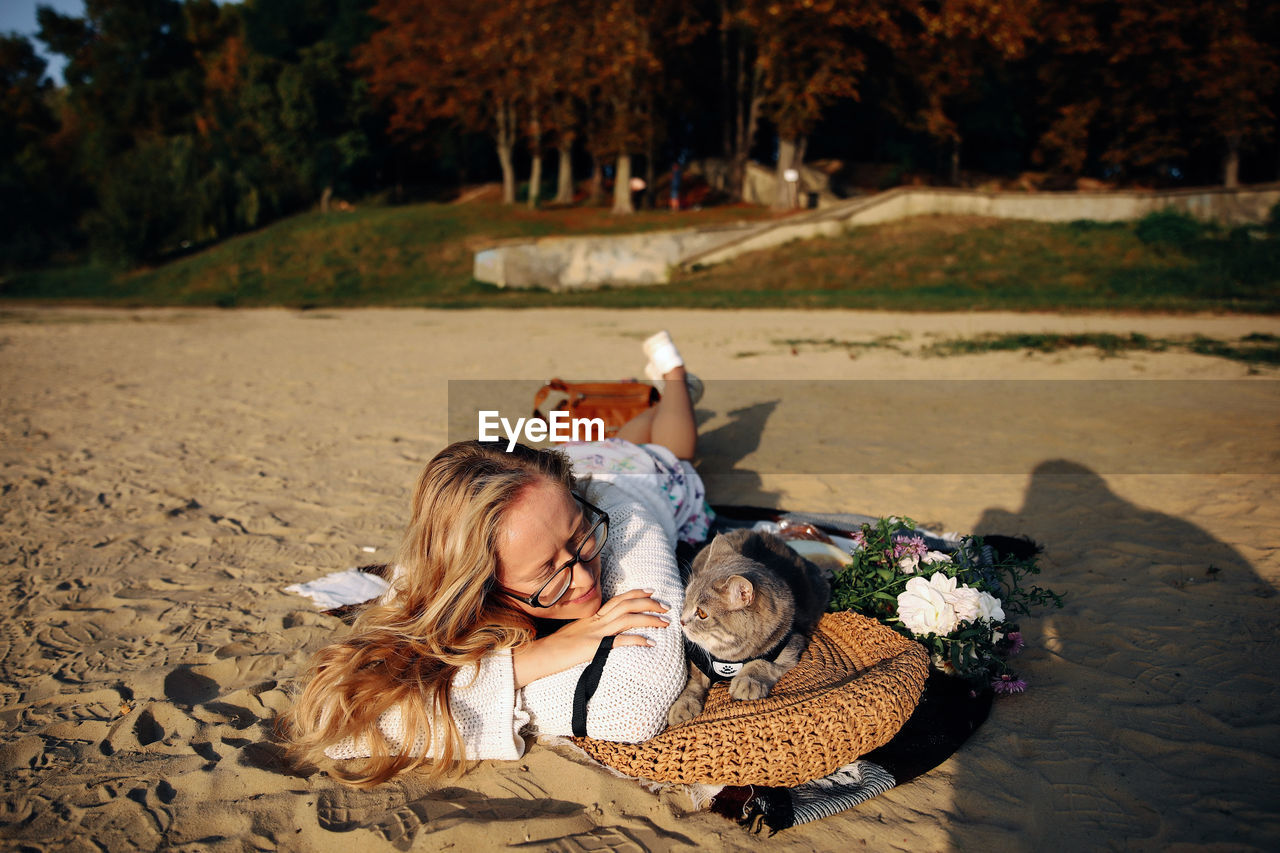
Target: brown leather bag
x,y
613,402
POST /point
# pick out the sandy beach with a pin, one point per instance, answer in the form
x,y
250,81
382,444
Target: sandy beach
x,y
167,473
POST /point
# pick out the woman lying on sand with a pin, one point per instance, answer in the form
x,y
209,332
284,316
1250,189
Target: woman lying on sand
x,y
510,575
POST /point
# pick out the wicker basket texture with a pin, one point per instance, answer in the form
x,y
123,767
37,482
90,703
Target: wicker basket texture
x,y
855,687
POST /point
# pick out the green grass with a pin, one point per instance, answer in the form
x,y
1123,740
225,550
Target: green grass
x,y
852,347
1255,349
1105,343
421,255
374,256
948,263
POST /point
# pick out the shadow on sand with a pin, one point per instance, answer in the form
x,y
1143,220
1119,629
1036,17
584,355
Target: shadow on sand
x,y
1152,717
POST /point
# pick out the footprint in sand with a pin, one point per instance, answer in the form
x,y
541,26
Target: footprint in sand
x,y
615,839
155,727
188,687
343,811
433,814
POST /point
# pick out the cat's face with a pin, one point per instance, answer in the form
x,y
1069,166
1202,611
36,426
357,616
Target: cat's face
x,y
734,607
718,615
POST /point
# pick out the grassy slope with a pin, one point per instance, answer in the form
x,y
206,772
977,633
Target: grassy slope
x,y
968,263
410,255
422,255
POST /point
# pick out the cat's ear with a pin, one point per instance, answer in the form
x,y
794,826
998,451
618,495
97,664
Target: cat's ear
x,y
739,592
718,544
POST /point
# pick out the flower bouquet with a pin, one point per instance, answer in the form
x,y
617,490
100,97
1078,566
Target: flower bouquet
x,y
957,605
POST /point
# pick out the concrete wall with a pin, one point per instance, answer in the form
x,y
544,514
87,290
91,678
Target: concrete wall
x,y
1232,207
572,263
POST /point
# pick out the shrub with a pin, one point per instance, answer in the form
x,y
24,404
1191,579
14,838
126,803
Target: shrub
x,y
1272,223
1087,225
1171,228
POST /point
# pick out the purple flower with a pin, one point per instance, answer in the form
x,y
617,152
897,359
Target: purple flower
x,y
859,540
913,546
1008,683
1014,641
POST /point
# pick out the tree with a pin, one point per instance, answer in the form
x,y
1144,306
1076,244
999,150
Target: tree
x,y
625,59
37,204
129,66
623,66
462,60
313,113
741,78
543,21
1235,77
806,55
131,81
564,81
948,46
1138,88
563,111
197,120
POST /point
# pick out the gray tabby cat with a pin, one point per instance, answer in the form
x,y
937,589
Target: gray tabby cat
x,y
749,610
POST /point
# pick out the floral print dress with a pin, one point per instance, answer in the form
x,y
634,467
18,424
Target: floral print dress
x,y
675,479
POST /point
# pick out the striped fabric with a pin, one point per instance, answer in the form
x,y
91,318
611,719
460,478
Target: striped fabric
x,y
847,787
760,807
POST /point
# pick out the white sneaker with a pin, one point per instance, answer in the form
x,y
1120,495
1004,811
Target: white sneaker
x,y
662,354
664,357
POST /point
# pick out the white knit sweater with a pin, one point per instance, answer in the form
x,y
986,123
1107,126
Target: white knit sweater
x,y
637,685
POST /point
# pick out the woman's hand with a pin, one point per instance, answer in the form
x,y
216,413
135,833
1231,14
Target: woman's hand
x,y
577,641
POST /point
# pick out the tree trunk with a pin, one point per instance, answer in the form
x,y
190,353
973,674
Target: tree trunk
x,y
649,157
650,185
564,176
953,176
787,194
748,118
622,186
535,155
535,179
325,198
726,85
596,194
505,137
1231,162
508,173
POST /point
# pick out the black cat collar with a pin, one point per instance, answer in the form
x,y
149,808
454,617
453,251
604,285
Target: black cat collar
x,y
723,670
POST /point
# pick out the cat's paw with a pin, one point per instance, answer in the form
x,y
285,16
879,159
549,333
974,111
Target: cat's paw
x,y
752,684
685,709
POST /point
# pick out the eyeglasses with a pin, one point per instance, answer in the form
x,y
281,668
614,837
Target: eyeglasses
x,y
590,546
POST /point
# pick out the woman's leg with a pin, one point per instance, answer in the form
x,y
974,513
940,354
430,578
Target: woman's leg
x,y
669,423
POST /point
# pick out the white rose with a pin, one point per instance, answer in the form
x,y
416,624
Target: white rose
x,y
942,583
908,564
966,602
989,607
923,608
935,557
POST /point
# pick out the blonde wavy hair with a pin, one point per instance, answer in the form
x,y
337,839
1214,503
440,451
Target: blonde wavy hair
x,y
443,618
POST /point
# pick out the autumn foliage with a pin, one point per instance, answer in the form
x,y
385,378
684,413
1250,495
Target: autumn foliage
x,y
181,122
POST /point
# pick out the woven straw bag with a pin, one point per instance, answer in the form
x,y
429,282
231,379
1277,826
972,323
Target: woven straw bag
x,y
855,687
